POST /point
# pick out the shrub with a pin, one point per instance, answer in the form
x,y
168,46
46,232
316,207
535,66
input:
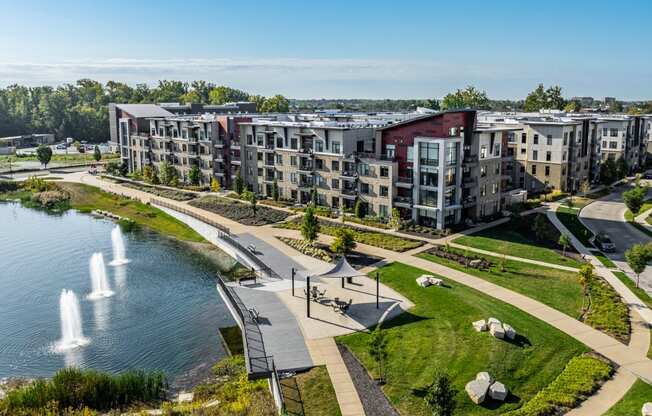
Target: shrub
x,y
440,396
309,225
344,241
52,199
71,387
307,248
8,186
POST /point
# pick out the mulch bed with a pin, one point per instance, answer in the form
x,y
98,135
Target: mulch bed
x,y
240,212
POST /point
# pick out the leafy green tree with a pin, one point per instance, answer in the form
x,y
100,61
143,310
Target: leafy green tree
x,y
169,91
194,175
275,192
275,104
440,396
634,198
377,349
344,241
44,154
112,167
309,225
622,169
238,184
572,107
395,221
585,275
314,197
359,209
148,173
223,94
637,257
432,104
215,185
469,97
544,99
608,172
259,100
168,174
565,242
97,154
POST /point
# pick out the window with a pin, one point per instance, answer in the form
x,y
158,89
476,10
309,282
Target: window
x,y
604,144
548,156
384,171
364,170
547,170
535,155
428,197
453,131
279,175
336,147
410,153
250,155
429,176
483,171
293,177
452,150
250,139
497,149
382,211
260,140
279,159
483,190
383,191
523,138
294,143
565,138
449,196
613,145
523,150
335,166
429,154
335,183
536,139
365,188
494,188
293,160
563,156
549,140
483,152
390,151
319,146
319,164
613,132
534,169
279,142
605,131
450,176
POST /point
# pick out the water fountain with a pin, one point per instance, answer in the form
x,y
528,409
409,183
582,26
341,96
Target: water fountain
x,y
119,250
71,323
101,288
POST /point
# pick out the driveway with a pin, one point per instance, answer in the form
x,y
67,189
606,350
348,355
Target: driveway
x,y
607,215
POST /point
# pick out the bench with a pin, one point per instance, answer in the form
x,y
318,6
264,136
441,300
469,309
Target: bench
x,y
246,279
254,314
252,248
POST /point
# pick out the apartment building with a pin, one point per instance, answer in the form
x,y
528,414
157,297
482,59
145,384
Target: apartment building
x,y
625,137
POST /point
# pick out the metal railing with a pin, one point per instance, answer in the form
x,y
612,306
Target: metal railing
x,y
224,230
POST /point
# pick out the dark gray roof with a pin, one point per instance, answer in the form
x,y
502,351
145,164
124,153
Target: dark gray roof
x,y
144,110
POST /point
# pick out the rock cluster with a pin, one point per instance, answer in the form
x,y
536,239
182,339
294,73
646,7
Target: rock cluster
x,y
426,280
495,327
647,409
484,385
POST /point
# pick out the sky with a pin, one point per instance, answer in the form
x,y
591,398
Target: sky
x,y
336,49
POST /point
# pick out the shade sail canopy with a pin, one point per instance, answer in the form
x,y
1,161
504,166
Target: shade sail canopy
x,y
341,270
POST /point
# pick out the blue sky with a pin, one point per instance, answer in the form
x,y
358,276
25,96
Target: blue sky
x,y
366,49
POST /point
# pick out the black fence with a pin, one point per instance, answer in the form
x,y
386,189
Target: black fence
x,y
192,214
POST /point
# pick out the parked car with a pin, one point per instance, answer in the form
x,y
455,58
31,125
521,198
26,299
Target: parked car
x,y
604,243
647,175
61,146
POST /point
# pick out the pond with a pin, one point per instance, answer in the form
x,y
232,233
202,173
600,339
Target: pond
x,y
157,311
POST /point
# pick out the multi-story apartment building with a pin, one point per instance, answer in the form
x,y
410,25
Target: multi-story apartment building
x,y
625,137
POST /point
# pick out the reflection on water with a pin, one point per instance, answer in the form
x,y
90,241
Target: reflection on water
x,y
164,315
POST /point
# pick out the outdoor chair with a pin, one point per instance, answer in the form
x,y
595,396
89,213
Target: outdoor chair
x,y
252,248
254,314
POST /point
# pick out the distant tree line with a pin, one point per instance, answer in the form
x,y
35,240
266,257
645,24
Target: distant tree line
x,y
80,110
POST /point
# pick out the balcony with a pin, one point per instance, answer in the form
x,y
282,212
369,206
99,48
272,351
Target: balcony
x,y
350,175
306,185
306,151
403,201
305,167
404,181
268,162
350,193
234,144
236,162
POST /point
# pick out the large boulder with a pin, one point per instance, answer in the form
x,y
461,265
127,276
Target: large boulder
x,y
493,321
497,330
483,375
475,263
480,325
477,390
510,333
435,281
498,391
647,409
424,280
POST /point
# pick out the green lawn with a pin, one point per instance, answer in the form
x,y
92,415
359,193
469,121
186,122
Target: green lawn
x,y
606,261
630,217
372,238
436,335
556,288
516,238
569,218
632,402
87,198
642,294
310,394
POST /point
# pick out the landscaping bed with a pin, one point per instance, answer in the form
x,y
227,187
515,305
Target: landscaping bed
x,y
569,217
518,238
559,289
372,238
606,311
310,393
238,211
324,253
162,192
464,259
581,377
422,231
437,335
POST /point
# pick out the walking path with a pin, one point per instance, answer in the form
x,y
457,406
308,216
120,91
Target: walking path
x,y
631,359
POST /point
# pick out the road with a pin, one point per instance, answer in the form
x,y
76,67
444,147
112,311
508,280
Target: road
x,y
607,215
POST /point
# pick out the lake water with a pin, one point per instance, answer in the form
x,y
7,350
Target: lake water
x,y
164,314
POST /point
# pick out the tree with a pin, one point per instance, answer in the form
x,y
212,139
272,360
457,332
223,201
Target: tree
x,y
148,173
440,396
215,185
168,174
377,349
344,241
544,99
608,172
253,200
309,225
540,227
97,154
585,187
565,242
622,169
637,257
275,104
432,104
44,154
572,106
466,98
238,185
275,193
634,198
223,94
194,175
314,197
359,209
585,275
395,221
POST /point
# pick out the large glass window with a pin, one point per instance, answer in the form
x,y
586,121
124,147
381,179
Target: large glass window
x,y
449,197
450,176
429,154
452,151
428,197
429,176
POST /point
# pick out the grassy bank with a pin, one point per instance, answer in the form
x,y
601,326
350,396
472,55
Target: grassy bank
x,y
232,338
310,394
569,217
606,261
436,335
372,238
556,288
516,238
633,401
